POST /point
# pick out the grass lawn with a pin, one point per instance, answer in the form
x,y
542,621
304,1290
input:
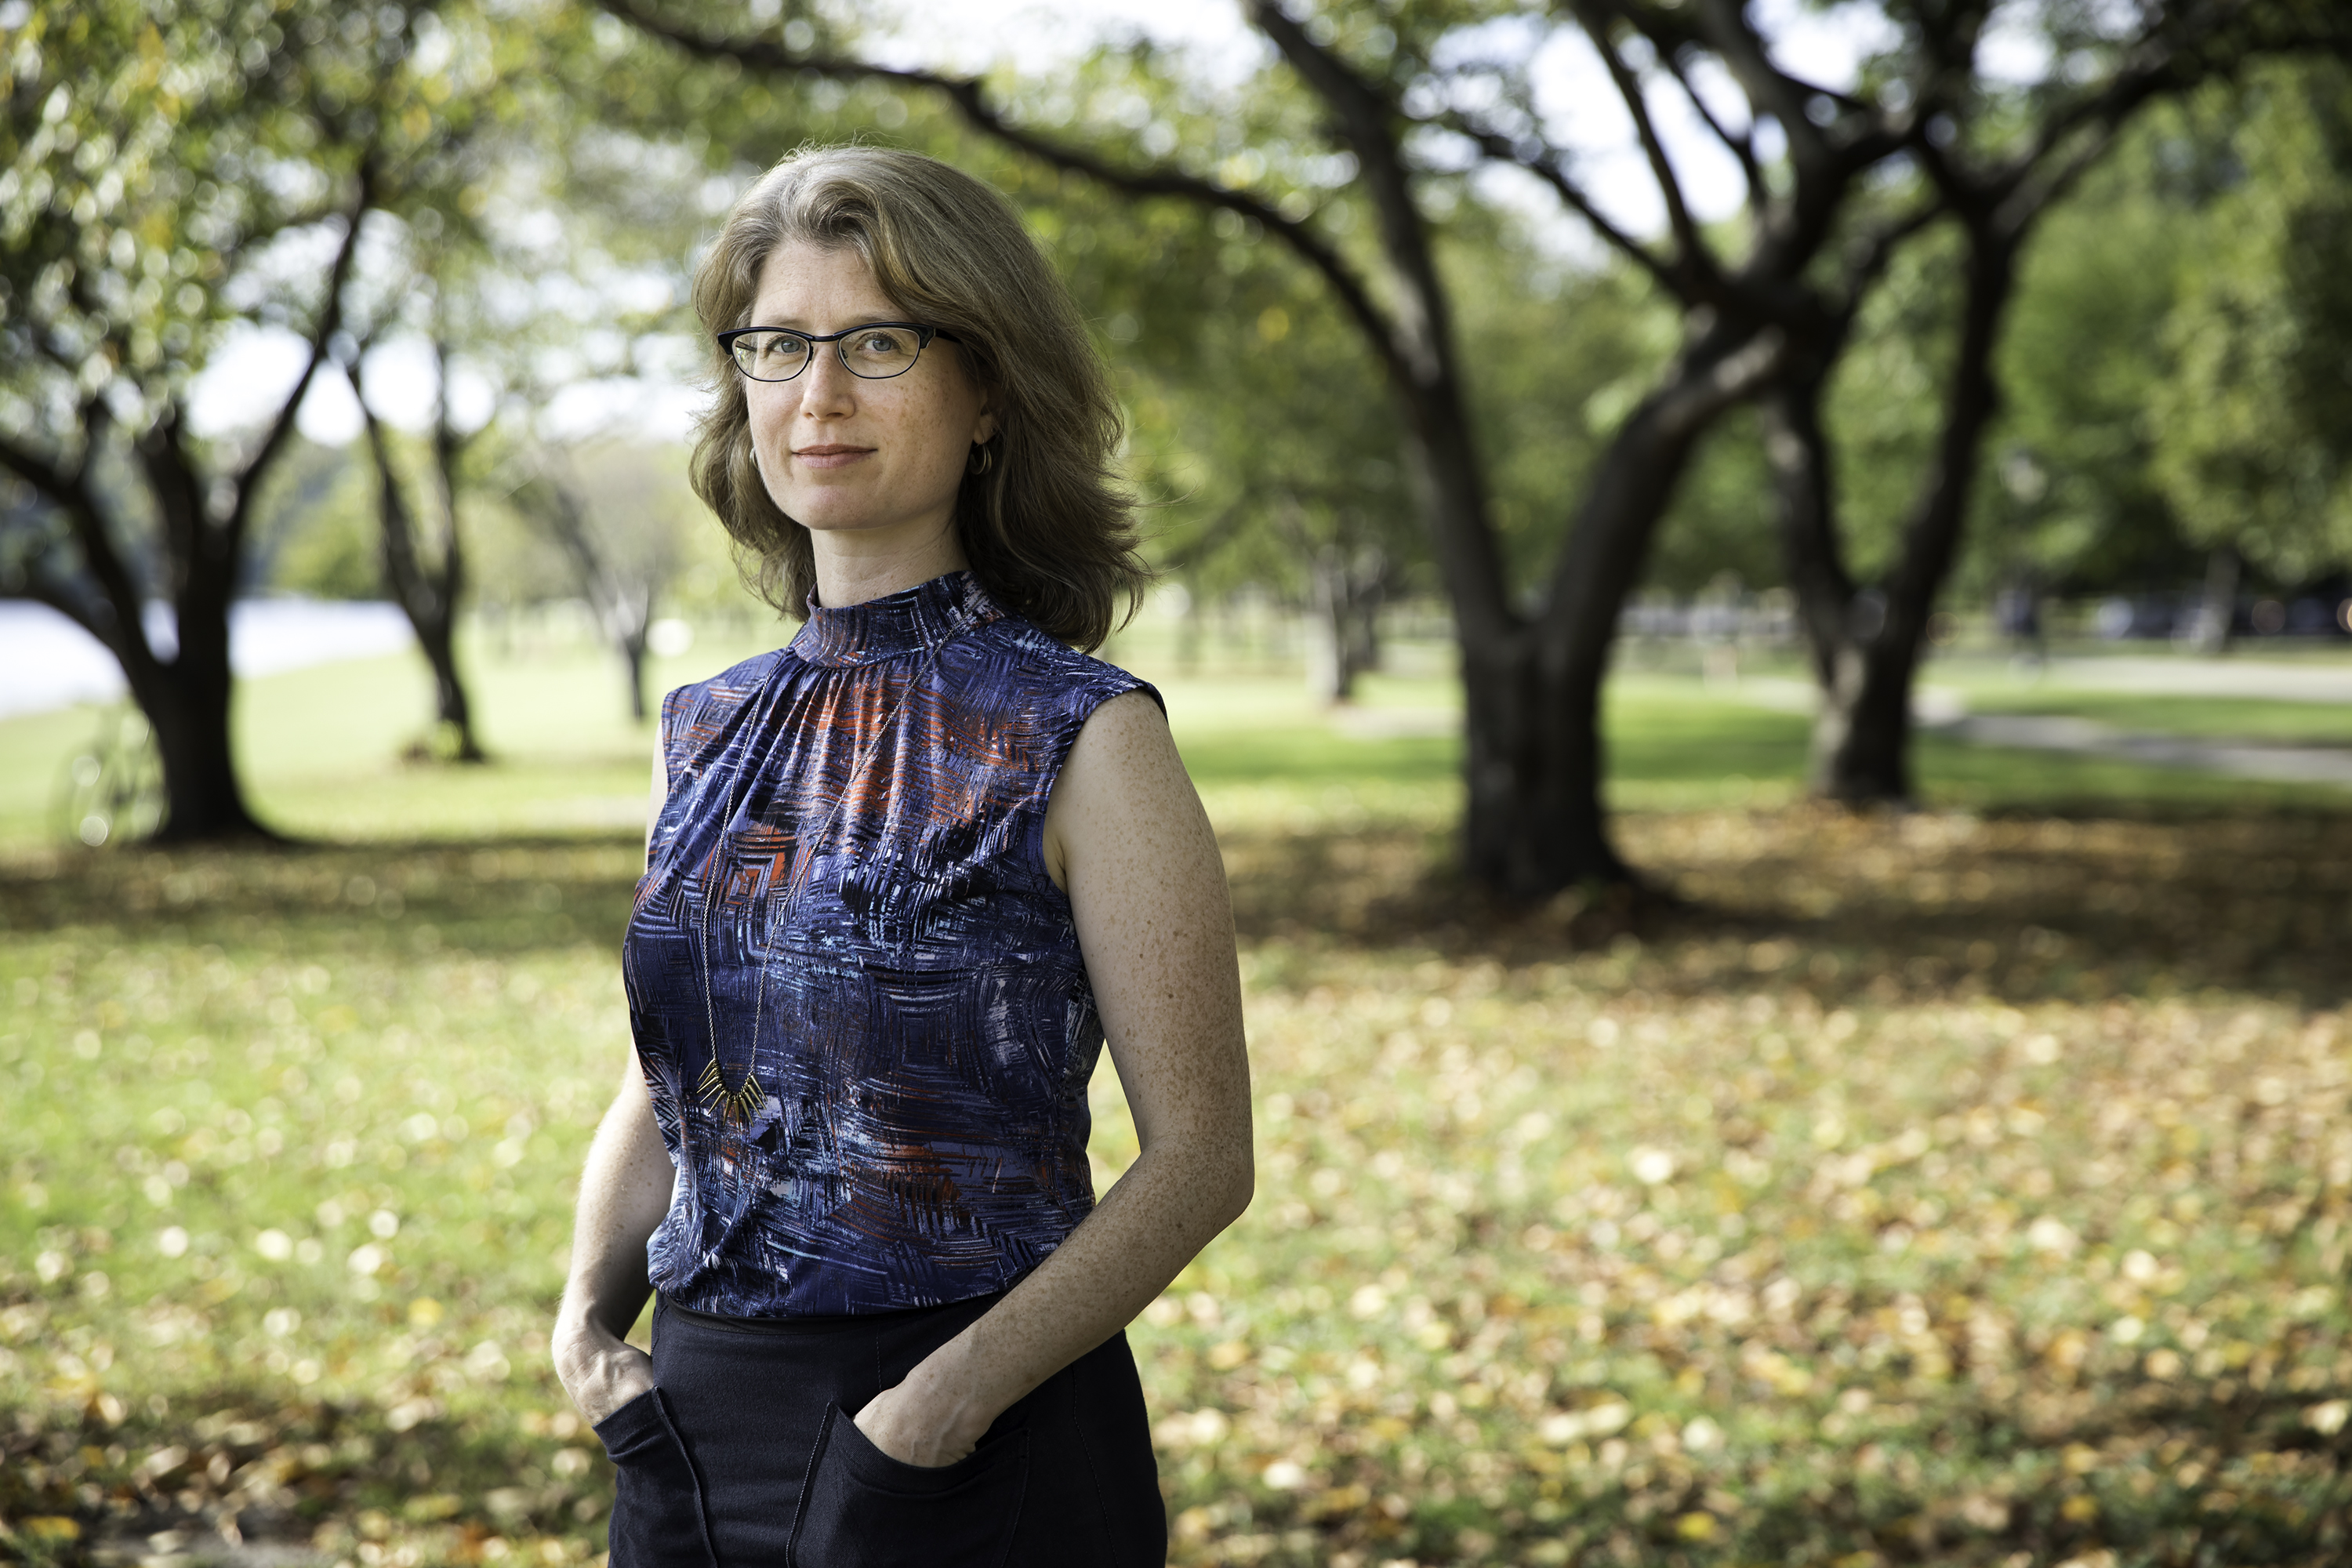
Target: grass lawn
x,y
1964,1187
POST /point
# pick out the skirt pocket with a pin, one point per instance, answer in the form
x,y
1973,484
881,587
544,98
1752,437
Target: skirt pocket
x,y
862,1509
659,1519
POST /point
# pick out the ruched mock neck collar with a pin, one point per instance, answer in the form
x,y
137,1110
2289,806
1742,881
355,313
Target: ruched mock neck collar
x,y
913,621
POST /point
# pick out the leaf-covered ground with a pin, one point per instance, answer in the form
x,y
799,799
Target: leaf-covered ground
x,y
1930,1188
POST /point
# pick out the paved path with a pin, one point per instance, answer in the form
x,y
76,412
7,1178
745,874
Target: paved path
x,y
2053,732
1942,711
2260,679
2278,681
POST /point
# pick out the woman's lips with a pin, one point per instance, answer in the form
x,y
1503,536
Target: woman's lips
x,y
831,456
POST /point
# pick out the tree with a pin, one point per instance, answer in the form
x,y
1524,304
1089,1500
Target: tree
x,y
428,583
609,510
163,162
1996,165
432,285
1375,82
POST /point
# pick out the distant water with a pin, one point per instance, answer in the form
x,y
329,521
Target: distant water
x,y
47,661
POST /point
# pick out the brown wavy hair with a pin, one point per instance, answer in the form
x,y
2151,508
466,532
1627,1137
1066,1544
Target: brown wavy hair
x,y
1047,529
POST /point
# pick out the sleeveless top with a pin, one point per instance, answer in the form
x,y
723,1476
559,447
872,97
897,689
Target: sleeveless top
x,y
857,995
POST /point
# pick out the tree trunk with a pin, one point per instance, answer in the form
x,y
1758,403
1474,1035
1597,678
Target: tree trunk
x,y
1364,627
197,553
1868,656
620,600
188,708
1535,823
1342,620
633,658
1834,617
187,699
2217,613
456,713
427,594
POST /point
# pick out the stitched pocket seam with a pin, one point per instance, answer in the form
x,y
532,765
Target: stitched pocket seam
x,y
701,1502
808,1485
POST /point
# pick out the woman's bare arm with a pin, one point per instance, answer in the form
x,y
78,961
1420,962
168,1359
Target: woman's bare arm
x,y
1127,839
624,1191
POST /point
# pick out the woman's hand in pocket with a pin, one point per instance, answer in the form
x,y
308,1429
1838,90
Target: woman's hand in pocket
x,y
918,1423
600,1372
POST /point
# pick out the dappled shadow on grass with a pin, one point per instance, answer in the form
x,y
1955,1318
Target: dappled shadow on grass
x,y
498,897
1885,907
253,1476
1888,905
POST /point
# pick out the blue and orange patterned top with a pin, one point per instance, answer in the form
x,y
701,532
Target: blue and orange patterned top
x,y
857,998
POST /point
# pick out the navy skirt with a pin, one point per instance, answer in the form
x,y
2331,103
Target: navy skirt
x,y
746,1455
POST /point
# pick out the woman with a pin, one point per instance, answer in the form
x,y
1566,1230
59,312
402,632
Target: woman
x,y
907,875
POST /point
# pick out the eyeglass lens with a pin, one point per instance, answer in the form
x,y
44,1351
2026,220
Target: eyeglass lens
x,y
874,353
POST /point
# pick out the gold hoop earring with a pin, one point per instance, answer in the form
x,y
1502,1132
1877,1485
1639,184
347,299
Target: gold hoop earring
x,y
983,458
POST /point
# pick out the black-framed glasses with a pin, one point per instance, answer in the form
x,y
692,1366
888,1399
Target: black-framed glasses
x,y
875,350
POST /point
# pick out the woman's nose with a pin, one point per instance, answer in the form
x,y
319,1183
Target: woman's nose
x,y
830,388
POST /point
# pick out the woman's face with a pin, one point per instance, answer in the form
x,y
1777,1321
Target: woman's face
x,y
841,453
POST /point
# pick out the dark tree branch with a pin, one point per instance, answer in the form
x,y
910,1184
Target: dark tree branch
x,y
1695,258
38,471
1742,146
1421,341
1869,259
970,96
251,246
2166,59
1725,27
1544,162
2044,186
247,478
33,581
69,492
448,448
1367,122
41,590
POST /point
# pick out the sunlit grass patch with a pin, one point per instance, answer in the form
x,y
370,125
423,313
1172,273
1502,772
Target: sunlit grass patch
x,y
1549,1258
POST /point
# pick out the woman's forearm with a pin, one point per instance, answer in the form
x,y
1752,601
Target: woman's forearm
x,y
624,1191
1148,898
1171,1204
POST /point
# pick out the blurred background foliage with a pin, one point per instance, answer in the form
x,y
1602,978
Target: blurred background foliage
x,y
2174,308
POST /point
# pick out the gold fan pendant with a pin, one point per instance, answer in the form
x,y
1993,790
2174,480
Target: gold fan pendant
x,y
735,1105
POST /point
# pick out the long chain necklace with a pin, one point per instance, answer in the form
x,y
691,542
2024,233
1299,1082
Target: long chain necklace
x,y
736,1104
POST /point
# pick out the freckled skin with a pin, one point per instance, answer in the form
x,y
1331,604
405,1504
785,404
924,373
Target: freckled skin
x,y
1125,838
